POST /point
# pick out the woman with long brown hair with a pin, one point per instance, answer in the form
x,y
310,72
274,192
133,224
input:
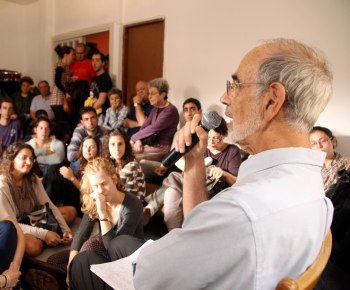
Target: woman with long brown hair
x,y
21,192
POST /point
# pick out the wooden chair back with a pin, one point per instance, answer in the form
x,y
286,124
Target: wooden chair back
x,y
309,278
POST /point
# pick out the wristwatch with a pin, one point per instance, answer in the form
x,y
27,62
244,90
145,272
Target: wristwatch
x,y
136,104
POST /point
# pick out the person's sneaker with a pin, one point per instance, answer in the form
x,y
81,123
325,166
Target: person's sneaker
x,y
146,215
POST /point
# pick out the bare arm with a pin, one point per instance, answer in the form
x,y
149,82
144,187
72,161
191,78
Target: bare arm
x,y
128,123
140,115
32,115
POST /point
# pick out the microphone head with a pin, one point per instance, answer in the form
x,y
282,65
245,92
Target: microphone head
x,y
211,120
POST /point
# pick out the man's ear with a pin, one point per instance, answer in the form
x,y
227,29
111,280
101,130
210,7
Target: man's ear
x,y
274,99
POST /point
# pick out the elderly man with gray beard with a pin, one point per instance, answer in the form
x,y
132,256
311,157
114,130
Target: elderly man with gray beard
x,y
271,223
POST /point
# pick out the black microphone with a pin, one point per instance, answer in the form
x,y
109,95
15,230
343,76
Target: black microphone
x,y
210,120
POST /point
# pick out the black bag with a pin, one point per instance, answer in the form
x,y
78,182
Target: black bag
x,y
44,218
150,140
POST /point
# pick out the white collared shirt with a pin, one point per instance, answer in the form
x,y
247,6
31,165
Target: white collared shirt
x,y
267,226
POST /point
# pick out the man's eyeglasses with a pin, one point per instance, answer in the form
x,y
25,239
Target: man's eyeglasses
x,y
321,141
235,84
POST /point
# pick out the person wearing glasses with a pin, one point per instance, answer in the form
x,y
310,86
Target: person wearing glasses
x,y
21,192
271,223
225,160
155,136
322,139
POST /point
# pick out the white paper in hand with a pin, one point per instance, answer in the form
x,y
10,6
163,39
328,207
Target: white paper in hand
x,y
119,274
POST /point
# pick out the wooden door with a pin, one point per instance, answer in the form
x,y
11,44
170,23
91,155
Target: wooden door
x,y
143,53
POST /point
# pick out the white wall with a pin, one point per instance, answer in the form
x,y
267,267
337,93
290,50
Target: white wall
x,y
204,40
12,37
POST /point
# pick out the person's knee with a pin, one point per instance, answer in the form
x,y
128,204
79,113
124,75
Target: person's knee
x,y
69,213
34,246
123,246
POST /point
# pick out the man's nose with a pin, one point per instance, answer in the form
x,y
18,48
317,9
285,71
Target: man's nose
x,y
224,99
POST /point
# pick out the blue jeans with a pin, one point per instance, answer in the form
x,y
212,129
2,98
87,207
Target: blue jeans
x,y
8,244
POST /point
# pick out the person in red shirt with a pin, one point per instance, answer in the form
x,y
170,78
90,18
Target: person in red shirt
x,y
82,67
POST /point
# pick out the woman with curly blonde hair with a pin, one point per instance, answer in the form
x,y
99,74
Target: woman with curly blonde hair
x,y
103,201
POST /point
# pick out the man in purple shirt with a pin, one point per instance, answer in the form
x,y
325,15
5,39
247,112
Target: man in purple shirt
x,y
10,129
161,123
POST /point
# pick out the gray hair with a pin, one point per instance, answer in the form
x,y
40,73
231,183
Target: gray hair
x,y
306,76
161,85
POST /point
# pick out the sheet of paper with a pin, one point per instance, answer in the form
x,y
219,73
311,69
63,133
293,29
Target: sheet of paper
x,y
119,274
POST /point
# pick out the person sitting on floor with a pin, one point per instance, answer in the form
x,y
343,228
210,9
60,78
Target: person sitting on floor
x,y
154,170
89,149
10,129
221,173
117,213
117,148
21,193
12,245
48,150
156,134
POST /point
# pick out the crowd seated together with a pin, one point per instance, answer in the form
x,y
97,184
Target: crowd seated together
x,y
77,148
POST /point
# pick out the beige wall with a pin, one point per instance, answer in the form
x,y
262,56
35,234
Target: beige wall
x,y
204,40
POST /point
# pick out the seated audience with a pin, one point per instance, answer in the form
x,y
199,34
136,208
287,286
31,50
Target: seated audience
x,y
48,150
221,173
10,129
156,134
88,127
154,170
116,147
89,149
117,111
140,109
50,154
23,100
21,192
117,213
42,101
272,222
336,179
12,246
322,139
